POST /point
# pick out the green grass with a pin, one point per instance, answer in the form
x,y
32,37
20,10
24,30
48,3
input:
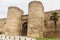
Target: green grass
x,y
47,38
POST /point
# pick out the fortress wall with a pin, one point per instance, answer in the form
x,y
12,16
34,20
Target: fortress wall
x,y
50,28
24,19
58,24
35,19
49,23
24,25
13,23
2,22
2,25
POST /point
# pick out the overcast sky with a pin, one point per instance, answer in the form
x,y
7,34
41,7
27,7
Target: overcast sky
x,y
23,4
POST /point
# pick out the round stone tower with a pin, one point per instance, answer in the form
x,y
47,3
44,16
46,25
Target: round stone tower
x,y
35,19
13,22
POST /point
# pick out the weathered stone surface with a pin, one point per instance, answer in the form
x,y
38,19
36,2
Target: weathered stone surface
x,y
2,26
49,28
13,23
35,19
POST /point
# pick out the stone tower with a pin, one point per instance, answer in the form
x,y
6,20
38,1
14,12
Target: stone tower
x,y
13,23
35,19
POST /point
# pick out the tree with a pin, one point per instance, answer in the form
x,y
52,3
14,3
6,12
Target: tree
x,y
54,18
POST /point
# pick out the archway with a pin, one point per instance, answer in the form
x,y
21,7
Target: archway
x,y
24,29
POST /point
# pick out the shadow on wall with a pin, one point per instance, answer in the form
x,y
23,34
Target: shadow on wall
x,y
24,29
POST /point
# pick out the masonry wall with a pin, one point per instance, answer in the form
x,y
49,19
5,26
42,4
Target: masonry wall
x,y
49,24
13,22
2,26
35,19
24,26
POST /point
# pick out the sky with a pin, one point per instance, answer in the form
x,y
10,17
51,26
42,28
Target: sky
x,y
49,5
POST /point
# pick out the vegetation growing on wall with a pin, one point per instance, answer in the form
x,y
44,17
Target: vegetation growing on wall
x,y
54,18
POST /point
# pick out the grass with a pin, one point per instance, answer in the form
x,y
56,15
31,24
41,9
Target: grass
x,y
47,38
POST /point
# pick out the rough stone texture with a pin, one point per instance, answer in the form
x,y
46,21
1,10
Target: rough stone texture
x,y
24,19
35,19
49,27
2,25
24,26
13,23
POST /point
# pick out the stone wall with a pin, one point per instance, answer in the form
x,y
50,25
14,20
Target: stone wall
x,y
38,26
24,25
13,22
2,26
49,26
35,19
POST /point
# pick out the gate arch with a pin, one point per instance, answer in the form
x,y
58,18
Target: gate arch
x,y
24,29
